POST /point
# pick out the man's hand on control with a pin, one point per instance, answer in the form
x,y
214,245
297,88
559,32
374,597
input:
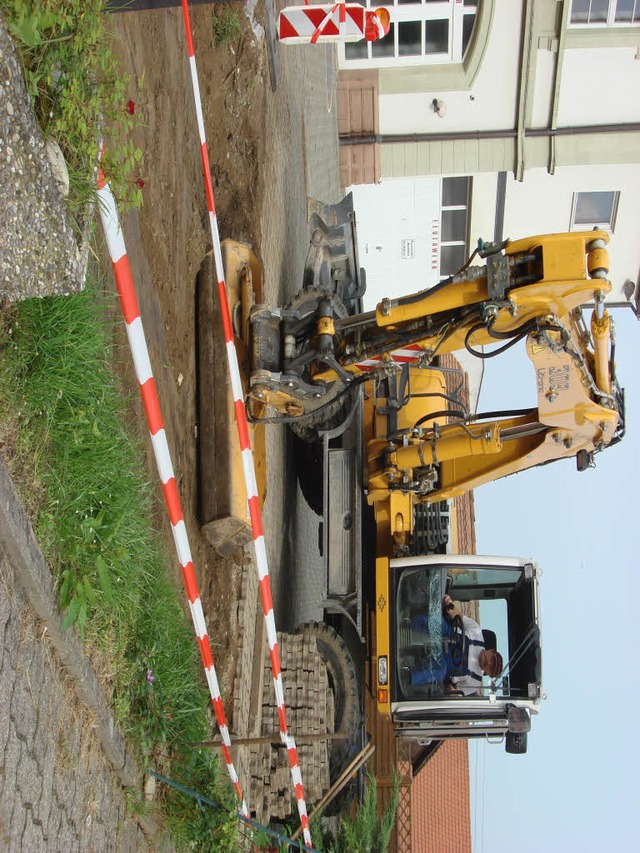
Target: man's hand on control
x,y
449,607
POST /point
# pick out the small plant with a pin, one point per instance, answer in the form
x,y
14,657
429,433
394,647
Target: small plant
x,y
201,827
365,832
78,92
226,25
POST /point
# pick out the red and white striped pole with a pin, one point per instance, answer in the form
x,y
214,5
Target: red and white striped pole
x,y
142,365
245,447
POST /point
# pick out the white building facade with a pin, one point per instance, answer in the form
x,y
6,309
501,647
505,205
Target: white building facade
x,y
492,119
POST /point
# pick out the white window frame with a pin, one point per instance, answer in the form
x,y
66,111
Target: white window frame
x,y
608,225
464,242
611,17
451,10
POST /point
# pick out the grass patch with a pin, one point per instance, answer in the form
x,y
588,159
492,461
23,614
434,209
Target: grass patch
x,y
83,480
77,90
227,25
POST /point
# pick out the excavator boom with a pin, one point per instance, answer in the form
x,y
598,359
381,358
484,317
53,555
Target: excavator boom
x,y
309,358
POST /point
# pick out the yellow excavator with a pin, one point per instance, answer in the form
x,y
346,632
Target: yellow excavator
x,y
385,440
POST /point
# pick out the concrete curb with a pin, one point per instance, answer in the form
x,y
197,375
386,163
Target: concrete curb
x,y
19,543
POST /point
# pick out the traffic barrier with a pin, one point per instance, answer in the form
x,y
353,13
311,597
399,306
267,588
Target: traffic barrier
x,y
245,447
144,374
409,354
343,22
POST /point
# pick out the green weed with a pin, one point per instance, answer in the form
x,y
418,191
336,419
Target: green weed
x,y
63,415
227,25
200,827
78,90
366,832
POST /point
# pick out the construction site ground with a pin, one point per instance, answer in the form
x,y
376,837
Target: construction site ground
x,y
270,148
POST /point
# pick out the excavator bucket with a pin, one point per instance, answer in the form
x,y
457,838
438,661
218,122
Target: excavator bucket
x,y
223,508
332,261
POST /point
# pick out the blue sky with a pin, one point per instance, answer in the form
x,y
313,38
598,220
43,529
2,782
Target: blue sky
x,y
577,787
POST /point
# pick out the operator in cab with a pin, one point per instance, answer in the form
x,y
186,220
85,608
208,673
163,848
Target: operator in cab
x,y
467,659
477,658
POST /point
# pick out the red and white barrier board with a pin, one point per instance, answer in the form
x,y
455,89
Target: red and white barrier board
x,y
331,23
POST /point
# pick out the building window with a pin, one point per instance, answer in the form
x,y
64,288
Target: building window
x,y
594,210
605,13
454,224
421,31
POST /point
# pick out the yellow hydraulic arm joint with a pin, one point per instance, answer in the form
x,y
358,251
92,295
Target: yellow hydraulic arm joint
x,y
326,326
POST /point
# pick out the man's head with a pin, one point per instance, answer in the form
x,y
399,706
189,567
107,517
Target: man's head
x,y
491,662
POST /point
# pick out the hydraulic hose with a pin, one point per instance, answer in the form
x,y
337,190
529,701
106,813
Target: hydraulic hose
x,y
486,355
445,413
505,413
512,337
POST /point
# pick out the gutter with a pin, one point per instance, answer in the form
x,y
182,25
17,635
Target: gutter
x,y
555,102
508,133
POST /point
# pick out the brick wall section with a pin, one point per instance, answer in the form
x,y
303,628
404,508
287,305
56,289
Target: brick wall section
x,y
466,519
441,817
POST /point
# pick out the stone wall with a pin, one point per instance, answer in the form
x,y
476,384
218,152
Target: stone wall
x,y
39,253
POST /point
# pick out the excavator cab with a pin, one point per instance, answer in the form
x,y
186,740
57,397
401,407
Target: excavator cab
x,y
426,648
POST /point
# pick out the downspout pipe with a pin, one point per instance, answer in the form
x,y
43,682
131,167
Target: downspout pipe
x,y
524,89
555,98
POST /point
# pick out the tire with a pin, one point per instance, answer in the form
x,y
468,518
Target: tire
x,y
331,415
343,681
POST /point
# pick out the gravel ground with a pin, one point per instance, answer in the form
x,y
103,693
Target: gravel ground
x,y
39,253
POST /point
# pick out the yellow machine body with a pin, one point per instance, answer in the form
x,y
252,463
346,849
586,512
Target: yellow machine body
x,y
316,361
575,407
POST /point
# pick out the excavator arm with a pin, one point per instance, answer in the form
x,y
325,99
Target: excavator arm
x,y
576,415
310,356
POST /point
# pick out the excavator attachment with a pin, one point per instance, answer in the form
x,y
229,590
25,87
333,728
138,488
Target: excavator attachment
x,y
333,286
223,509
